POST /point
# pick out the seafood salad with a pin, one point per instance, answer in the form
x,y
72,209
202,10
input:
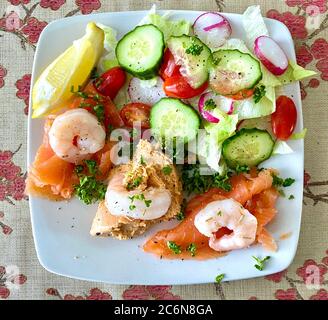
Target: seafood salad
x,y
173,121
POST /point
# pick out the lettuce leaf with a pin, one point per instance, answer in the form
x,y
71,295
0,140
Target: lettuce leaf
x,y
254,24
248,109
210,145
108,59
299,135
295,73
164,23
255,27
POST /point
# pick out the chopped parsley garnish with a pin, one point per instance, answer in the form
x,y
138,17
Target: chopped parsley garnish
x,y
219,213
97,97
209,105
94,74
259,93
194,49
192,249
242,169
79,93
194,182
142,161
140,197
174,247
79,169
260,262
148,203
92,166
132,207
90,190
279,182
291,197
180,216
288,182
100,112
85,105
98,82
219,278
134,184
167,170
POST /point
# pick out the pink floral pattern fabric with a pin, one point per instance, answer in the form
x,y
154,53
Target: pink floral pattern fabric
x,y
21,23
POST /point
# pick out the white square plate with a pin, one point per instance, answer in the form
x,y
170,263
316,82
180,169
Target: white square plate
x,y
62,239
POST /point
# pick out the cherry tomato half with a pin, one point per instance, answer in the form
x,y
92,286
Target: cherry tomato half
x,y
168,68
136,112
110,82
283,120
178,87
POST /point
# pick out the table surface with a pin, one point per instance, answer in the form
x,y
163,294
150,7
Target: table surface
x,y
22,277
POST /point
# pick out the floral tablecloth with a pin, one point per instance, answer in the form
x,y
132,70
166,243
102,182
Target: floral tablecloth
x,y
22,277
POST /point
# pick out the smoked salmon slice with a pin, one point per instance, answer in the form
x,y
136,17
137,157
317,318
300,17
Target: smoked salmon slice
x,y
266,239
243,189
262,206
49,175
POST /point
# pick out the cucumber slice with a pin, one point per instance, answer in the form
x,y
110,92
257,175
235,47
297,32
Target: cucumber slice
x,y
140,51
232,71
247,147
171,119
193,64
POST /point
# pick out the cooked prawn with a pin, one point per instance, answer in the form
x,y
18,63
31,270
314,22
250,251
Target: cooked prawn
x,y
148,204
232,215
75,135
185,233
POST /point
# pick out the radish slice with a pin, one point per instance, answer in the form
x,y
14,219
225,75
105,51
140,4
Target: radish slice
x,y
148,92
212,28
271,55
223,103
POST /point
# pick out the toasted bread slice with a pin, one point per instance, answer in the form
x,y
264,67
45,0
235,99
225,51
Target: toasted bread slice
x,y
151,170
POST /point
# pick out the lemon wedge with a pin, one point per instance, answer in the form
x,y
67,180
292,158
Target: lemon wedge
x,y
72,68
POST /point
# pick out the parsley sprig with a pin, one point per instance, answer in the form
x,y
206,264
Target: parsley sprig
x,y
174,247
192,249
259,93
79,92
194,182
99,110
260,262
134,184
209,105
140,197
194,49
242,169
280,182
89,189
167,170
180,216
219,278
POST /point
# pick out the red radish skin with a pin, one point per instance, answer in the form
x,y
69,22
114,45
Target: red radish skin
x,y
212,28
216,25
271,55
207,115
